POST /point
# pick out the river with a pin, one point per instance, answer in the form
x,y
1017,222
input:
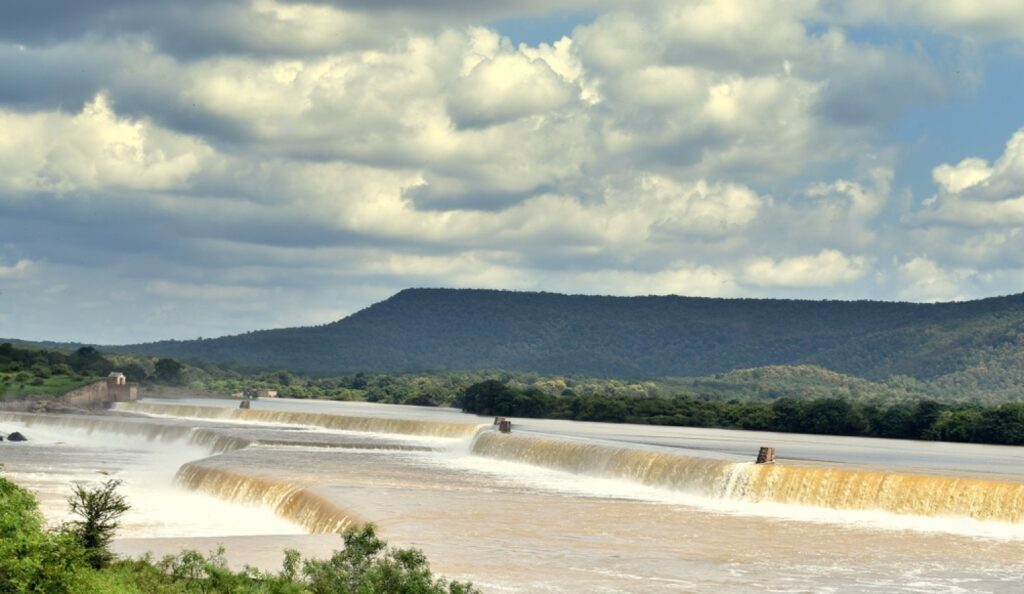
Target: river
x,y
555,506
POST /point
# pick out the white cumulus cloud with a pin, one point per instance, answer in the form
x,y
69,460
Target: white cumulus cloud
x,y
827,268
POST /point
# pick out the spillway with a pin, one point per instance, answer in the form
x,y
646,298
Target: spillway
x,y
299,504
893,492
327,421
555,506
132,428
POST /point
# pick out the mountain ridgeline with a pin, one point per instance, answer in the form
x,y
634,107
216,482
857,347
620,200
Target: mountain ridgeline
x,y
962,344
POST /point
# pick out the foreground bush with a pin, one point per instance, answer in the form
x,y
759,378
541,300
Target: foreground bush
x,y
40,561
33,559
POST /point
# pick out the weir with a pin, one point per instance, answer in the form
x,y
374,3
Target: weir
x,y
861,490
142,429
215,440
326,421
293,502
827,488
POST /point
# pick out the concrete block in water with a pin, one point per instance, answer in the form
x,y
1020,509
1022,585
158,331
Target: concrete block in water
x,y
766,456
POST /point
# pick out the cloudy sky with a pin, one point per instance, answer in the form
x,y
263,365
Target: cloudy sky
x,y
204,167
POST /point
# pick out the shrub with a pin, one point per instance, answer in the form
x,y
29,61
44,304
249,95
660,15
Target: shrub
x,y
100,510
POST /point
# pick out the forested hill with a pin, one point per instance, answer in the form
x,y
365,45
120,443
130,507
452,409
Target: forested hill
x,y
419,329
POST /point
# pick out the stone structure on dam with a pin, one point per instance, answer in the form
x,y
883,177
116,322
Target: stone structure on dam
x,y
583,506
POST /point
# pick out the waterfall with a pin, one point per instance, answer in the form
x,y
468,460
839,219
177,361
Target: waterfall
x,y
289,500
841,489
323,420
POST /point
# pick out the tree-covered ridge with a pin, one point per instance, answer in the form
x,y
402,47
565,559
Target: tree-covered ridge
x,y
973,345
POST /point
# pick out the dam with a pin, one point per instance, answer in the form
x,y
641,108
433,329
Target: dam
x,y
554,506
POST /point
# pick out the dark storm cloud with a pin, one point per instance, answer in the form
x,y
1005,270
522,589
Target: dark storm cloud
x,y
52,21
62,77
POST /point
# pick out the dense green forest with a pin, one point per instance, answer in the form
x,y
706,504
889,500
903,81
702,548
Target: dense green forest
x,y
803,399
441,388
923,419
74,558
30,371
971,349
26,371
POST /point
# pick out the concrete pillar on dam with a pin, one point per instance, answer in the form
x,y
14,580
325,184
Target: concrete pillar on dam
x,y
766,456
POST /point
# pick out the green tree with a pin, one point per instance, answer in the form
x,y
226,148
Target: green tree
x,y
169,371
134,372
89,361
31,559
100,509
367,564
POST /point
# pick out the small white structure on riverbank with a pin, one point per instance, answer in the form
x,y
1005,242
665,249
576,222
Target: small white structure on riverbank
x,y
119,390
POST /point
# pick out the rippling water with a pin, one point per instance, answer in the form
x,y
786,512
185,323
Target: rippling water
x,y
555,506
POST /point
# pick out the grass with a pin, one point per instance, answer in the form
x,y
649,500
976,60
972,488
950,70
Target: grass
x,y
56,385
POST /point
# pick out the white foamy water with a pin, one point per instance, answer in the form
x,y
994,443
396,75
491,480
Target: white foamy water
x,y
556,506
61,454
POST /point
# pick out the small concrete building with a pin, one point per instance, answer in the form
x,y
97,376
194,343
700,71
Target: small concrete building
x,y
266,393
119,390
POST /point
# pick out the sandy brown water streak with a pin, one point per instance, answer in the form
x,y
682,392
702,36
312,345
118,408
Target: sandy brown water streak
x,y
294,502
830,488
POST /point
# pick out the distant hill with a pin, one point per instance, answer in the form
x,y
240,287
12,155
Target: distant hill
x,y
968,345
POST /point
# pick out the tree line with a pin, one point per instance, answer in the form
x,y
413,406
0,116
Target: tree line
x,y
923,419
31,371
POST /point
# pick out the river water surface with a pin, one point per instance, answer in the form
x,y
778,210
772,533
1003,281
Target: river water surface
x,y
555,506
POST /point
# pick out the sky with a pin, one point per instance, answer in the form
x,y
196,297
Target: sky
x,y
206,167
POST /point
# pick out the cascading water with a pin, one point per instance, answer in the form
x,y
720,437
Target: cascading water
x,y
298,504
137,429
557,506
840,489
326,421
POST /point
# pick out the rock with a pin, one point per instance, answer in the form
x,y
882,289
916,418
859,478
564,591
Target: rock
x,y
16,437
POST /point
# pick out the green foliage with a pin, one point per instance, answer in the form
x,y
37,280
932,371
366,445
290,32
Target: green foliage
x,y
925,419
90,361
100,509
974,346
367,564
40,372
169,371
34,560
133,371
